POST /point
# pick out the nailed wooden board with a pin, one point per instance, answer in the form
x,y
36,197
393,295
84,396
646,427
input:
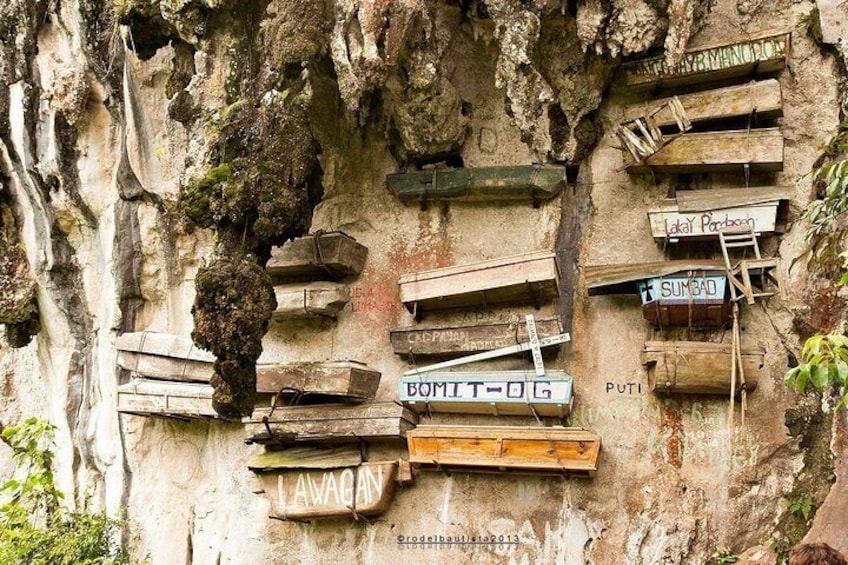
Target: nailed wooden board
x,y
697,367
310,299
363,490
527,182
667,222
501,393
168,368
720,151
721,198
305,458
467,339
526,449
330,423
144,397
163,345
332,255
763,53
519,279
343,379
761,99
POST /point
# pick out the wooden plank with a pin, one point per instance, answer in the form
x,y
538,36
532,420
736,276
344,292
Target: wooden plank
x,y
518,279
720,151
697,367
624,279
310,299
526,449
342,379
467,339
362,491
667,222
305,458
761,99
330,423
764,53
332,255
721,198
169,368
145,397
526,182
501,393
164,345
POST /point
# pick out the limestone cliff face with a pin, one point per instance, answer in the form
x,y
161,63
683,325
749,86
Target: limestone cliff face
x,y
109,111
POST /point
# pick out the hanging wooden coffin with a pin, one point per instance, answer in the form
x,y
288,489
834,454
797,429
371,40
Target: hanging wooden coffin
x,y
330,423
696,367
501,393
715,151
703,213
339,381
332,255
467,339
531,183
305,484
185,401
699,300
164,356
765,53
529,278
554,450
310,300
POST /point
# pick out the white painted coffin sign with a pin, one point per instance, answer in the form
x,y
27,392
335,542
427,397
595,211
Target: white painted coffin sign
x,y
668,222
677,290
489,392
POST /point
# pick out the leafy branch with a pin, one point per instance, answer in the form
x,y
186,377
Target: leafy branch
x,y
825,363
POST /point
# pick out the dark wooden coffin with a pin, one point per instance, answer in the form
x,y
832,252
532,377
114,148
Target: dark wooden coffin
x,y
697,367
338,381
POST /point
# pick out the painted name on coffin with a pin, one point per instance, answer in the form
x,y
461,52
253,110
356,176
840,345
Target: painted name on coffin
x,y
415,390
331,488
670,290
707,223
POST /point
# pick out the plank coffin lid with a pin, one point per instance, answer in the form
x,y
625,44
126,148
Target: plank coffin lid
x,y
715,151
531,450
330,423
697,367
309,483
186,401
702,213
625,278
500,393
164,356
344,380
458,340
528,182
311,299
332,255
761,99
528,278
763,53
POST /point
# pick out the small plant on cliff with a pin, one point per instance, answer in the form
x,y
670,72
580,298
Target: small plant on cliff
x,y
35,529
801,506
825,363
723,556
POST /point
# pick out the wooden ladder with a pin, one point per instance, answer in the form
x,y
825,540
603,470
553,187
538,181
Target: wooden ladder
x,y
739,275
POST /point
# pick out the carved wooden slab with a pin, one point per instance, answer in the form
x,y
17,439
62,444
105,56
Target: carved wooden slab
x,y
530,182
697,367
342,380
467,339
330,423
501,393
145,397
762,149
527,278
568,451
164,356
332,255
765,53
310,299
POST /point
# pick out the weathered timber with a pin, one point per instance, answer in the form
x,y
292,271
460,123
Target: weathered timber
x,y
332,255
168,368
547,450
642,135
467,339
694,300
305,457
341,380
358,491
626,278
330,423
696,367
716,151
703,213
528,278
163,345
761,54
310,299
755,99
529,182
144,397
501,393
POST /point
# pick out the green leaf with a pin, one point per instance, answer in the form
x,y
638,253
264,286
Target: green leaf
x,y
803,377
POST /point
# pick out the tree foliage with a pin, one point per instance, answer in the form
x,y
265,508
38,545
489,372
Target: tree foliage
x,y
825,363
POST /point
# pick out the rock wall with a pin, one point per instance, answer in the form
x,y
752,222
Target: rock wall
x,y
106,111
